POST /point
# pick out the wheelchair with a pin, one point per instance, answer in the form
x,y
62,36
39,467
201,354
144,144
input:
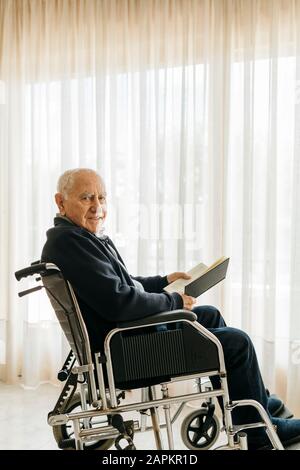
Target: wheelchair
x,y
89,413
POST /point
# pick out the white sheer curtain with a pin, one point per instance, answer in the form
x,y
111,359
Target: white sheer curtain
x,y
190,110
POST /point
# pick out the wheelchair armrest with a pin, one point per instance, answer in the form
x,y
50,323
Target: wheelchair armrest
x,y
163,317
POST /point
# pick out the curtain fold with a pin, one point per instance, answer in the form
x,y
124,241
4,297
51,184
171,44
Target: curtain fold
x,y
190,110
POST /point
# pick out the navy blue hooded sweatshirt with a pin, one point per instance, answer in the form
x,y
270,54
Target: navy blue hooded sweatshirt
x,y
105,290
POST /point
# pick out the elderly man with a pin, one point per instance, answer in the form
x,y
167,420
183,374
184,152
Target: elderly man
x,y
108,294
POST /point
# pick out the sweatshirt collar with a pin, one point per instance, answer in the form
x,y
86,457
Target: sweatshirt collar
x,y
60,219
63,220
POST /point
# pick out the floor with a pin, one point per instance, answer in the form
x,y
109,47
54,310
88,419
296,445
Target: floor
x,y
23,420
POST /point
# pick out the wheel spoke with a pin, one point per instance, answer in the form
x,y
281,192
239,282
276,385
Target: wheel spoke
x,y
196,438
193,429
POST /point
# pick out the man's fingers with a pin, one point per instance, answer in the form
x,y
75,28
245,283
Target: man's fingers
x,y
177,275
192,301
185,276
188,301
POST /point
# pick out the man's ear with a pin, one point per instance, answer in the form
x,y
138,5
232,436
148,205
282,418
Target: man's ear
x,y
59,199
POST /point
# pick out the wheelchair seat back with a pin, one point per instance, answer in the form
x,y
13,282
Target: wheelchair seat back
x,y
64,303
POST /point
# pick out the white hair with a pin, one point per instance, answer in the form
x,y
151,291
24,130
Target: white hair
x,y
67,179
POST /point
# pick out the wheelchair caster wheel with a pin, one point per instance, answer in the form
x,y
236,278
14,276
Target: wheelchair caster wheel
x,y
64,434
199,431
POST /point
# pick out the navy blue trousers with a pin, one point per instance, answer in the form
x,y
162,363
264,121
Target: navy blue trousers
x,y
243,374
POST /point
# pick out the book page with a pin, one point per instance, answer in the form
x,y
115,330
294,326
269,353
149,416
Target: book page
x,y
219,261
179,285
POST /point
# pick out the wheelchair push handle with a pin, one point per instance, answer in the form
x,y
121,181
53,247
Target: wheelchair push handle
x,y
35,269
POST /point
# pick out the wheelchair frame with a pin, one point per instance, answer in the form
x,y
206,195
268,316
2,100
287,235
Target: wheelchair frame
x,y
105,400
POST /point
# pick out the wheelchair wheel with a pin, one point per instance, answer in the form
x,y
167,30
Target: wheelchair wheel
x,y
197,432
65,431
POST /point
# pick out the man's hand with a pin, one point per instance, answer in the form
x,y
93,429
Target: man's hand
x,y
178,275
188,301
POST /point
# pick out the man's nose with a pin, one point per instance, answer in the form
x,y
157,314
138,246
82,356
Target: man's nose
x,y
95,203
97,207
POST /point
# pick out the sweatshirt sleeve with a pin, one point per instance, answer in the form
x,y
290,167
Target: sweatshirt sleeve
x,y
152,283
96,282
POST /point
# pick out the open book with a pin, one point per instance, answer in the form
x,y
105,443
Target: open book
x,y
202,278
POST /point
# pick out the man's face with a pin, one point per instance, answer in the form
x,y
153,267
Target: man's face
x,y
86,202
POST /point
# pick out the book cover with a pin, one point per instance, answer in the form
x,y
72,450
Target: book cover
x,y
202,278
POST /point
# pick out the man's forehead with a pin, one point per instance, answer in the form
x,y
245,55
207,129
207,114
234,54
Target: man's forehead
x,y
88,183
